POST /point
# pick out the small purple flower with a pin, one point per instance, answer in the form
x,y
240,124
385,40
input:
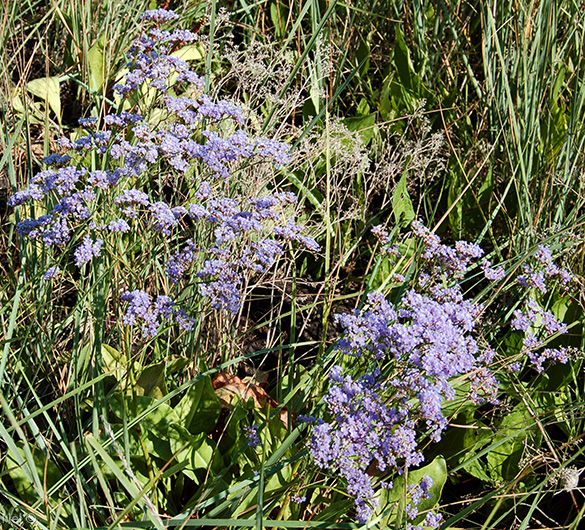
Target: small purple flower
x,y
52,272
122,119
298,499
159,15
87,122
88,250
293,232
180,261
492,274
56,160
515,368
119,225
133,196
253,439
164,217
555,354
141,310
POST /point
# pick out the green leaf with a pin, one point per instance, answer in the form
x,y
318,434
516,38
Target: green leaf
x,y
45,469
277,8
199,409
437,470
363,108
95,60
154,426
192,52
48,89
363,124
196,451
134,492
401,203
403,61
151,381
113,361
517,431
363,56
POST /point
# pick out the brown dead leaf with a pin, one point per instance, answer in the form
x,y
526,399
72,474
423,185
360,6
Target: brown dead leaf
x,y
227,386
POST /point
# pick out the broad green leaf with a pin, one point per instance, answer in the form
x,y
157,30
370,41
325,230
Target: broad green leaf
x,y
364,125
199,409
113,361
47,88
363,108
198,451
401,204
154,427
17,103
95,59
398,494
278,15
518,426
192,52
403,61
150,381
363,55
234,436
45,469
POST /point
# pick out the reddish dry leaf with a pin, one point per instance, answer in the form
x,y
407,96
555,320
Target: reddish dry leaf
x,y
227,386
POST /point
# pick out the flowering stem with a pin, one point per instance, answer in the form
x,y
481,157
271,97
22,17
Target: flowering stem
x,y
210,53
98,303
328,232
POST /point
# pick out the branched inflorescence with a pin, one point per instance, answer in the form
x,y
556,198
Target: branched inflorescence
x,y
190,134
425,341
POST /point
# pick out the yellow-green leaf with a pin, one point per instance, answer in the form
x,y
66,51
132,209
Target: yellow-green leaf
x,y
193,52
47,88
95,57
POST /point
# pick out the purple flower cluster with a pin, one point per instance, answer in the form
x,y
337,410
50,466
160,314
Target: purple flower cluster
x,y
426,340
229,258
159,15
52,272
452,261
365,431
418,492
493,274
87,250
141,310
73,193
537,275
429,339
253,438
298,499
536,324
235,237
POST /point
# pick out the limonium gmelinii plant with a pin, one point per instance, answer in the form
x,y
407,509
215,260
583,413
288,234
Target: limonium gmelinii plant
x,y
96,192
416,347
104,189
